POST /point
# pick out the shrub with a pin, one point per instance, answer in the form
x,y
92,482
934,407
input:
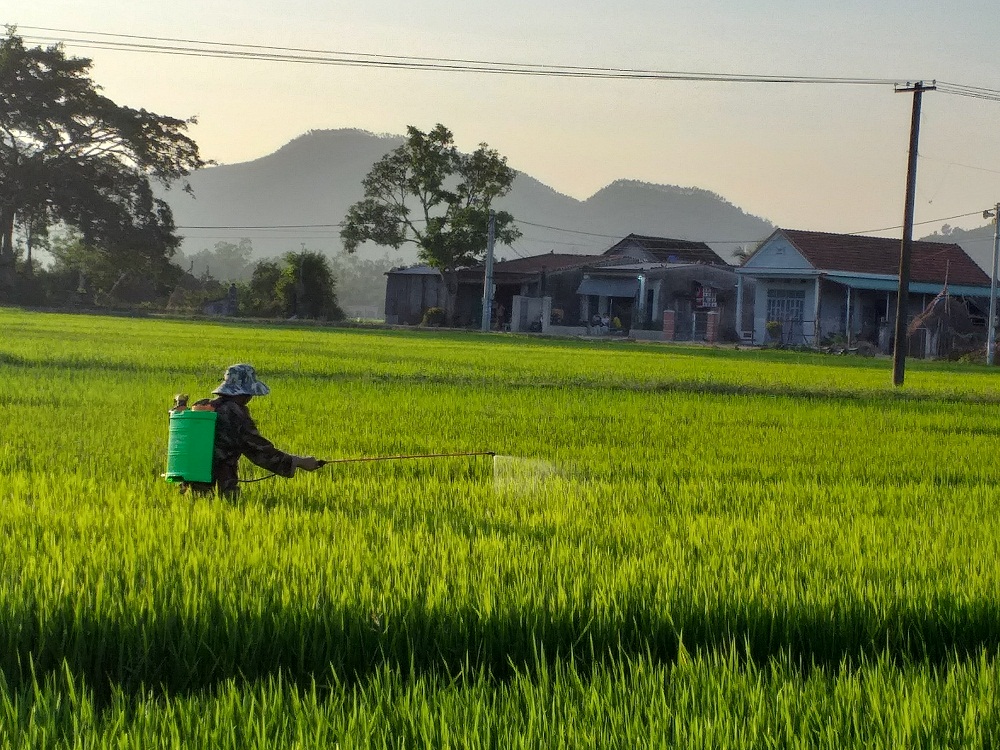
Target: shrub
x,y
773,329
433,316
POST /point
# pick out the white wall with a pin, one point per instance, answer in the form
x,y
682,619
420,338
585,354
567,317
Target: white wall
x,y
760,306
833,299
777,252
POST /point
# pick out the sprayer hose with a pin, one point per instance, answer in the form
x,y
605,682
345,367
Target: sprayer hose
x,y
324,462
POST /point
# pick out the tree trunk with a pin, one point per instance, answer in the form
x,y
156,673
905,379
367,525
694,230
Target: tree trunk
x,y
450,295
29,240
7,270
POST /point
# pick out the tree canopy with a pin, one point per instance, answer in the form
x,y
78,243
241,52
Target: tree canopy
x,y
69,154
300,285
428,193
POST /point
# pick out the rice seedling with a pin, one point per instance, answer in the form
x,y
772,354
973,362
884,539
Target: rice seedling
x,y
672,547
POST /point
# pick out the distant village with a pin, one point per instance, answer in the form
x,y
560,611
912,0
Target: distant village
x,y
798,288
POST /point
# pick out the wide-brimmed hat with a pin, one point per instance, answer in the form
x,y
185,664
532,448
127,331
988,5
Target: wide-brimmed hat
x,y
241,380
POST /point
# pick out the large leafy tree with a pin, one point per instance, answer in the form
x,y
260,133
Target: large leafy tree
x,y
300,285
428,193
307,287
69,154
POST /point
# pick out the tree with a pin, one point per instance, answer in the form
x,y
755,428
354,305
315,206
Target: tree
x,y
103,276
226,261
300,285
743,252
258,297
428,193
307,288
69,154
360,281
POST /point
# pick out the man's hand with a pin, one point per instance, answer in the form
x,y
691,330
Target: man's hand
x,y
309,463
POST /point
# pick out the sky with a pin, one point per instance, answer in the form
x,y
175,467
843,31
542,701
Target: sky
x,y
818,157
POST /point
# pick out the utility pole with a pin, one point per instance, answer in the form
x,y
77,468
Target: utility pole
x,y
488,279
300,284
991,331
906,248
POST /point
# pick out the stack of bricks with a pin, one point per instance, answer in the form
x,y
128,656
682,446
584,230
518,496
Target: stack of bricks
x,y
712,327
669,324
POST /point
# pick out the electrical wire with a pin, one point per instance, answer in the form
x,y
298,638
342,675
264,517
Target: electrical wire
x,y
264,226
921,223
975,92
213,49
210,48
958,164
236,227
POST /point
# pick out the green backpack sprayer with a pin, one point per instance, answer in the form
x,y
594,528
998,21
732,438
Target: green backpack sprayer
x,y
189,446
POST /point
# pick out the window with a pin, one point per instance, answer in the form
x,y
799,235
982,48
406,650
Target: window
x,y
705,297
785,304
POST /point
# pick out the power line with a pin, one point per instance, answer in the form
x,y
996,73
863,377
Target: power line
x,y
264,226
237,227
920,223
958,164
561,229
975,92
214,49
304,55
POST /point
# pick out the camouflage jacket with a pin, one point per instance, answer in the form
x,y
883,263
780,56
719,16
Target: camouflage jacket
x,y
236,435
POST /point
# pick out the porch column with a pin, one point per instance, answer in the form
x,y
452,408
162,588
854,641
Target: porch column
x,y
712,326
515,314
642,315
739,306
816,311
848,321
669,321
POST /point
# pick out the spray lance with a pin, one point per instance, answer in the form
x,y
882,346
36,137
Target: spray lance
x,y
364,459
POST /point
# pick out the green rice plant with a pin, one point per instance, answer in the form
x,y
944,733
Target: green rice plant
x,y
680,546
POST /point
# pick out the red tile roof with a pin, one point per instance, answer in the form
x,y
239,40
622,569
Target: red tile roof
x,y
930,262
668,250
547,262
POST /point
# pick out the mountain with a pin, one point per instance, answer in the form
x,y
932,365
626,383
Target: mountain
x,y
315,178
978,242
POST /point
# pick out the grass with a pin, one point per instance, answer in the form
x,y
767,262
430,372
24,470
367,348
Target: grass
x,y
686,546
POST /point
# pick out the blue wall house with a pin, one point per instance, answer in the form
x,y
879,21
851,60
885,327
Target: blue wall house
x,y
814,286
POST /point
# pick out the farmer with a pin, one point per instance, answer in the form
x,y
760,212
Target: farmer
x,y
236,434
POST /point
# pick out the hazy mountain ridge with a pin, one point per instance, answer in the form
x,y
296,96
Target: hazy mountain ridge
x,y
978,242
314,178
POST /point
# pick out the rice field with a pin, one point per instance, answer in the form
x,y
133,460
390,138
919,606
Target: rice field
x,y
674,547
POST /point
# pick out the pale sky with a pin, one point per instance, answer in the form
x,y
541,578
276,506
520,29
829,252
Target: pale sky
x,y
827,158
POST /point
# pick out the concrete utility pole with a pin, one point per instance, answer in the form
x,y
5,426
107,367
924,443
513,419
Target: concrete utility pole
x,y
991,330
488,280
906,248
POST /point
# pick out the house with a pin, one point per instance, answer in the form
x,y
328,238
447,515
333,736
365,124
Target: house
x,y
228,305
814,286
643,249
553,275
636,280
680,289
409,292
664,301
